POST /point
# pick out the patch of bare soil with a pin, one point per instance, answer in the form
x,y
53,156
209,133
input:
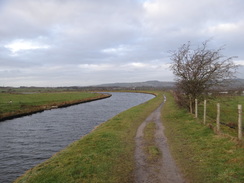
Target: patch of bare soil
x,y
162,171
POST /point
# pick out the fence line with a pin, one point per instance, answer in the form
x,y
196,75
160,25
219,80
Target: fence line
x,y
240,129
196,110
239,122
218,118
204,112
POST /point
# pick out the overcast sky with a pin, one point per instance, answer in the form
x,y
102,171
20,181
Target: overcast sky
x,y
88,42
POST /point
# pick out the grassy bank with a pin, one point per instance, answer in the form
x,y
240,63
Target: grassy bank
x,y
104,155
14,105
202,155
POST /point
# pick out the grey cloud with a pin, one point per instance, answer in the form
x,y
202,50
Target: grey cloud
x,y
112,33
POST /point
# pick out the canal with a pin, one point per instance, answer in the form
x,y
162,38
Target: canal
x,y
30,140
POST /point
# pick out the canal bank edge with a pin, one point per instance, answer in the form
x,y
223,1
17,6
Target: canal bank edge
x,y
42,108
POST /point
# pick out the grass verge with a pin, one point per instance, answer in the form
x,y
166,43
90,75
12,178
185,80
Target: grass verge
x,y
201,155
104,155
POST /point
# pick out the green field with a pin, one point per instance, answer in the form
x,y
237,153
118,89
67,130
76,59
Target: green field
x,y
202,155
14,103
228,112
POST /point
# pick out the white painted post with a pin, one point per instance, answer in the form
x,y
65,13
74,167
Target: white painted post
x,y
204,112
196,108
218,118
239,122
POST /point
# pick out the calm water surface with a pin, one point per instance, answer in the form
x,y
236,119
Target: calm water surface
x,y
28,141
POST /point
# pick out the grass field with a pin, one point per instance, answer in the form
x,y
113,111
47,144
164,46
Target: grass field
x,y
12,104
34,89
228,112
202,155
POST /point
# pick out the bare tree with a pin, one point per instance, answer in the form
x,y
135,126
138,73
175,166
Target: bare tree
x,y
197,70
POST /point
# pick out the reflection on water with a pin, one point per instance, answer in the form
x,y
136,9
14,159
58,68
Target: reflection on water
x,y
27,141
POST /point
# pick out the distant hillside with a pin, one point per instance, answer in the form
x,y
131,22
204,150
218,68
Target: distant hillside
x,y
146,84
235,84
232,84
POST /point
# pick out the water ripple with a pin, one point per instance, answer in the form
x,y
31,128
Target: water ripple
x,y
28,141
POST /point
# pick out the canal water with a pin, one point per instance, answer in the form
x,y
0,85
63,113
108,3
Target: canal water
x,y
28,141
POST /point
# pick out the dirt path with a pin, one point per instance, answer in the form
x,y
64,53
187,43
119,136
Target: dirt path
x,y
162,171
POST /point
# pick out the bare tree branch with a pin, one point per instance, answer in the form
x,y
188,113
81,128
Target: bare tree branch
x,y
198,70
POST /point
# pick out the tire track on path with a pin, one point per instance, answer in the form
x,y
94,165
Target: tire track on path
x,y
162,171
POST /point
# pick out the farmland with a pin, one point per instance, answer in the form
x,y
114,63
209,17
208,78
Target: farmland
x,y
15,104
228,112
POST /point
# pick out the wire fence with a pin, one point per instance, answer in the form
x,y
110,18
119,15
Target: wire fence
x,y
225,116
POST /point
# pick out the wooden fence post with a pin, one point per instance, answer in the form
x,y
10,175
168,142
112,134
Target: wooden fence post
x,y
204,112
218,118
191,105
196,108
239,122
